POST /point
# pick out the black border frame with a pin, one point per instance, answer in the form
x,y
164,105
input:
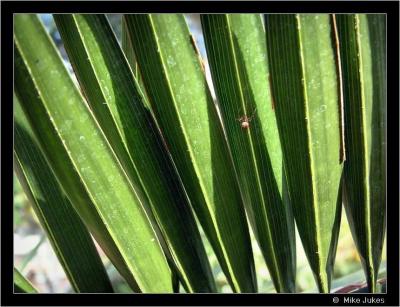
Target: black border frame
x,y
8,8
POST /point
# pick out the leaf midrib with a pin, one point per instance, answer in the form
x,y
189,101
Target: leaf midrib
x,y
364,139
97,211
193,160
253,157
142,185
71,277
311,165
94,71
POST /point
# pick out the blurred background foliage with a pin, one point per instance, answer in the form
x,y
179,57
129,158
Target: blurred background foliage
x,y
35,259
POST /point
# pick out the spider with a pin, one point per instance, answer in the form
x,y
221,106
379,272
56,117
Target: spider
x,y
245,120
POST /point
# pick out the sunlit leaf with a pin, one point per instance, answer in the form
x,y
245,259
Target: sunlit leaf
x,y
81,158
237,55
179,96
117,102
21,284
69,237
306,95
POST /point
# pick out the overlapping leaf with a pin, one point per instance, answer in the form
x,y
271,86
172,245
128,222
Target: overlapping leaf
x,y
83,161
116,100
362,40
306,93
237,55
149,142
187,116
70,239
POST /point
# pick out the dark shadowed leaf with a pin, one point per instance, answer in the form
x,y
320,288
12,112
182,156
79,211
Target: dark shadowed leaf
x,y
67,234
363,54
237,55
306,93
186,114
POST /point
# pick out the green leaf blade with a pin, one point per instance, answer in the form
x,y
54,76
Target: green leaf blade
x,y
236,50
69,237
131,130
362,49
176,87
21,284
82,159
304,85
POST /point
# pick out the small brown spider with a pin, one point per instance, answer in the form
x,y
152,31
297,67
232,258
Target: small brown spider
x,y
245,120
